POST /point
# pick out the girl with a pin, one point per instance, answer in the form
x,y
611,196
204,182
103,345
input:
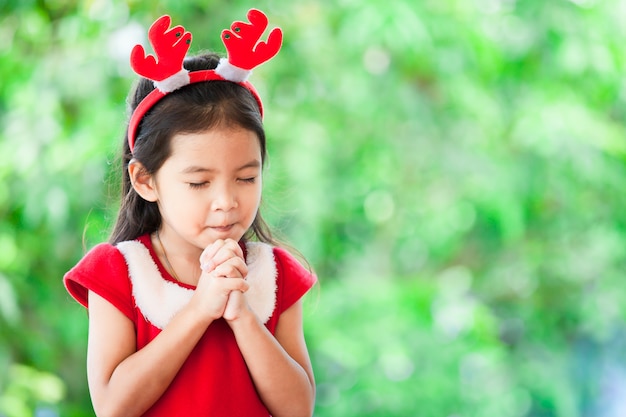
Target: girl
x,y
192,309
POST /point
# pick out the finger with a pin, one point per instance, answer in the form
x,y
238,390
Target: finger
x,y
225,254
233,306
222,256
211,250
235,284
206,258
218,252
233,246
232,268
229,249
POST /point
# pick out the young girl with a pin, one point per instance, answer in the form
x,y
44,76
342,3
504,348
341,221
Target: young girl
x,y
193,311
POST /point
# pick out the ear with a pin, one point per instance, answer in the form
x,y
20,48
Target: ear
x,y
142,181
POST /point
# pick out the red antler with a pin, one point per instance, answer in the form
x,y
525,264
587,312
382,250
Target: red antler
x,y
170,47
242,41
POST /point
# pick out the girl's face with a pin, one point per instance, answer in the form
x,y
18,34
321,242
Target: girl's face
x,y
210,186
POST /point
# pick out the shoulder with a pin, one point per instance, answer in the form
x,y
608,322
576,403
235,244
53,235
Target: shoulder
x,y
294,279
103,256
281,260
103,270
289,266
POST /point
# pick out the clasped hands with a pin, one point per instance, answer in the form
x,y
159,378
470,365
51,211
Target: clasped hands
x,y
222,283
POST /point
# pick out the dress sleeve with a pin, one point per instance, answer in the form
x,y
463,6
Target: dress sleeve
x,y
294,279
102,270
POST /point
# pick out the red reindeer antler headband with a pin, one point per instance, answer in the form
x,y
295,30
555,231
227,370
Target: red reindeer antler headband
x,y
245,52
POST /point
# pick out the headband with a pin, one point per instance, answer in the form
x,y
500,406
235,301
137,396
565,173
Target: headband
x,y
244,49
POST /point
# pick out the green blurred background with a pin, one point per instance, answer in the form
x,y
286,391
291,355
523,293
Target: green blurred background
x,y
452,169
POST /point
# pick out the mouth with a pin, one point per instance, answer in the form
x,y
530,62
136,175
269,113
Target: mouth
x,y
222,229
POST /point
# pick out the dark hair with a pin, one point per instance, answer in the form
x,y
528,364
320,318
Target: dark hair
x,y
190,109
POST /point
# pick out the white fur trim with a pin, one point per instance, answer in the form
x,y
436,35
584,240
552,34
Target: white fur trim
x,y
159,300
173,82
230,72
261,296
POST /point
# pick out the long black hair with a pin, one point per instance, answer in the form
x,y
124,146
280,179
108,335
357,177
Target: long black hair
x,y
190,109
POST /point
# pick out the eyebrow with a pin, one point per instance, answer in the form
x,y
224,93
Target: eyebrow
x,y
194,169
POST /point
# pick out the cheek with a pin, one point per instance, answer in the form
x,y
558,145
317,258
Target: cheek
x,y
255,197
259,191
184,200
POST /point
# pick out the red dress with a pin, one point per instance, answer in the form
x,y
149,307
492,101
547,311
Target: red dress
x,y
214,380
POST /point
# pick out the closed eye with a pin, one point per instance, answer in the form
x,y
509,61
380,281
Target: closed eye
x,y
250,180
196,185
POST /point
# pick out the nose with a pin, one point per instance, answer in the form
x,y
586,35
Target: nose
x,y
223,197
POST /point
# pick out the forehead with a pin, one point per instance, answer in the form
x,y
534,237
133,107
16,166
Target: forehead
x,y
216,147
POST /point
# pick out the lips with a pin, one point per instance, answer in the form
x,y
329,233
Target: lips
x,y
223,229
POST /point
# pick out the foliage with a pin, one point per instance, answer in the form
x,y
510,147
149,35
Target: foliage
x,y
452,169
29,389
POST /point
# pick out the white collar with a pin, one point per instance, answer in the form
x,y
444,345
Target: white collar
x,y
159,299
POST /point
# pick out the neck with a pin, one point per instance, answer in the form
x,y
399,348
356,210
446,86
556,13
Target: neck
x,y
182,267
